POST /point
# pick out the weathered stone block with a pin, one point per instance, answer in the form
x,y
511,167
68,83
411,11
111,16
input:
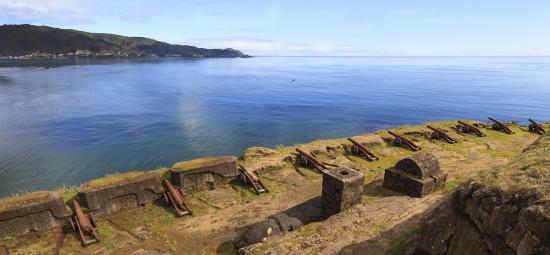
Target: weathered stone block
x,y
204,173
342,189
416,176
36,211
119,192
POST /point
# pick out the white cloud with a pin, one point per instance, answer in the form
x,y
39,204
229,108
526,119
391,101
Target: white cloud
x,y
273,48
55,11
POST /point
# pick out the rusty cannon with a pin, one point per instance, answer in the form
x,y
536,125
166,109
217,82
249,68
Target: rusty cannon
x,y
497,125
439,134
360,149
307,160
401,140
84,225
536,127
176,198
467,128
254,179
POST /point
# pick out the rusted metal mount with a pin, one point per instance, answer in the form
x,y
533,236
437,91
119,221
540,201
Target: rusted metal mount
x,y
84,224
536,127
500,126
361,149
439,134
467,128
401,140
176,198
254,179
307,160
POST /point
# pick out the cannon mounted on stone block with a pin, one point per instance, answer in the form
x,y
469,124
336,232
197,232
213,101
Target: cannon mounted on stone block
x,y
84,224
176,198
536,127
417,175
362,150
439,134
497,125
307,160
254,179
403,141
467,128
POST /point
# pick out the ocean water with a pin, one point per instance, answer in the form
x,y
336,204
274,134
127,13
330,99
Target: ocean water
x,y
64,123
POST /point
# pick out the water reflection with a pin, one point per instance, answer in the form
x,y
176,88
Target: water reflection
x,y
80,120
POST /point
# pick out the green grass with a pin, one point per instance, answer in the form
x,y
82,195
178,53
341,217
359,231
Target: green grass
x,y
196,163
398,247
24,197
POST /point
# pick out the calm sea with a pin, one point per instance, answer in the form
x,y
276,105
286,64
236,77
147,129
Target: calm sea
x,y
66,123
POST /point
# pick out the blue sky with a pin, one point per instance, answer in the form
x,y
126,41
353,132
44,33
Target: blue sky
x,y
321,27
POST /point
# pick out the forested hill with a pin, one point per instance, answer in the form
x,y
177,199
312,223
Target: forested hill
x,y
44,41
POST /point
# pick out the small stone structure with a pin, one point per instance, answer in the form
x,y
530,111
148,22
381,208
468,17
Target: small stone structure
x,y
36,211
342,189
119,192
275,225
416,176
204,173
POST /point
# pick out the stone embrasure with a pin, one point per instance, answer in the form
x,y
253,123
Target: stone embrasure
x,y
204,173
116,193
31,212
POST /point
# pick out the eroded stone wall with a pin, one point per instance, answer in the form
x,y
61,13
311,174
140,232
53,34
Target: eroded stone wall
x,y
204,173
34,212
123,194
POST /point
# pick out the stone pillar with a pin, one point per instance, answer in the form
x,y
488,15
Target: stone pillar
x,y
342,189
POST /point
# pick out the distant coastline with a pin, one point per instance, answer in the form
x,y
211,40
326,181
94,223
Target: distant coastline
x,y
29,42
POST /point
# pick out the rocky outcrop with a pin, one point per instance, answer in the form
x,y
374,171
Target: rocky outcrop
x,y
478,219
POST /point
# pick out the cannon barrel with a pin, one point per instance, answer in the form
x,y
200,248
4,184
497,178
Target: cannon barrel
x,y
501,125
433,129
173,193
367,153
317,164
82,219
404,141
537,127
495,121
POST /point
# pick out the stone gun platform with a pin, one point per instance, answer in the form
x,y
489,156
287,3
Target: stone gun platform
x,y
120,192
204,173
37,211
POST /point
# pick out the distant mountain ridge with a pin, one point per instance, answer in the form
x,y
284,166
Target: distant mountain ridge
x,y
43,41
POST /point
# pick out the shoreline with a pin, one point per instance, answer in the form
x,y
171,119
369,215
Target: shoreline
x,y
221,214
68,188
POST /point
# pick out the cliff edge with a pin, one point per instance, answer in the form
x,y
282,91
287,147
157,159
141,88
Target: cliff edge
x,y
503,211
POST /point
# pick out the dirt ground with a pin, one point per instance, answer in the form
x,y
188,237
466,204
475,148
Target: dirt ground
x,y
221,215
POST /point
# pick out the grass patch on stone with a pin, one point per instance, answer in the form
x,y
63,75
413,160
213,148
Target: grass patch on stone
x,y
25,198
398,247
114,179
529,170
196,163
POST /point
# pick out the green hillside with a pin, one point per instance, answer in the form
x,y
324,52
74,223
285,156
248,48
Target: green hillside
x,y
21,40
